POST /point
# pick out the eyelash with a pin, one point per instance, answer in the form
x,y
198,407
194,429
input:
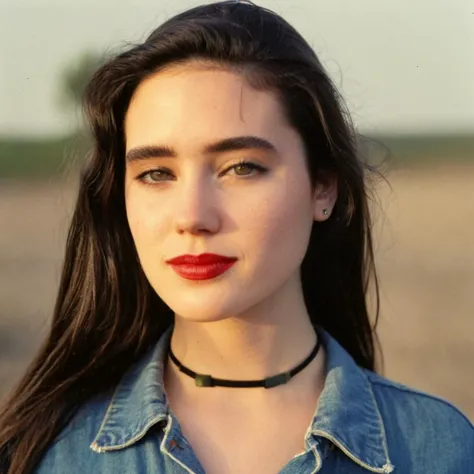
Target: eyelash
x,y
261,170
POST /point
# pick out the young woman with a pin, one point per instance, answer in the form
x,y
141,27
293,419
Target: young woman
x,y
212,311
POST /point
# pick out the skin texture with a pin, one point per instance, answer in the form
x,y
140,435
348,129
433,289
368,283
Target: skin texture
x,y
250,322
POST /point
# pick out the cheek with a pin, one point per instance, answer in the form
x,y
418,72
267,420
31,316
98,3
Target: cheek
x,y
282,221
143,217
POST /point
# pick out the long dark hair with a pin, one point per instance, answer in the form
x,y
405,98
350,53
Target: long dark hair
x,y
107,314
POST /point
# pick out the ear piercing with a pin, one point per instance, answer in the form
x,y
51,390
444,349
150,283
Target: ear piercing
x,y
326,212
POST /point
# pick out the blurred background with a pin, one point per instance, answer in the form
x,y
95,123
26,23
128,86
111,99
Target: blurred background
x,y
406,70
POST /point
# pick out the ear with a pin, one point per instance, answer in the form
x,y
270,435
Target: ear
x,y
325,196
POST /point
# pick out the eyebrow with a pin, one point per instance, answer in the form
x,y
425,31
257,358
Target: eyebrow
x,y
228,144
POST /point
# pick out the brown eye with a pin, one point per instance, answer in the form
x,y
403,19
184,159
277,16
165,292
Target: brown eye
x,y
156,175
238,168
245,166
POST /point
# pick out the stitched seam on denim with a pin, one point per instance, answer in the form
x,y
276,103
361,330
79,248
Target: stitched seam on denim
x,y
163,448
319,462
389,384
138,437
94,443
379,416
348,453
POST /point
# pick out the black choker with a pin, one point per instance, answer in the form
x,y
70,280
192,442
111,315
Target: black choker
x,y
280,379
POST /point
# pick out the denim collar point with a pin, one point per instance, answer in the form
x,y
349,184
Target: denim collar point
x,y
138,403
347,414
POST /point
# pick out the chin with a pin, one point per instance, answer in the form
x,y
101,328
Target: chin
x,y
199,317
200,309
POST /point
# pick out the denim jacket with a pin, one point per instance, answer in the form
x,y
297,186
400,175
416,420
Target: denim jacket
x,y
364,423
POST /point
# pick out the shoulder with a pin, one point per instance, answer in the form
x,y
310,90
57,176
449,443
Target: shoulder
x,y
425,425
414,401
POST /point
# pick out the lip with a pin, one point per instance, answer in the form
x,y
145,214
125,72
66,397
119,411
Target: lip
x,y
203,259
201,267
202,272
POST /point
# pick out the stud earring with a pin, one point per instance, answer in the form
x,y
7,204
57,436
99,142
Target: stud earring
x,y
325,212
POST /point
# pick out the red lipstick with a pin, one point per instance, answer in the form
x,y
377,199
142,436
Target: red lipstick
x,y
201,267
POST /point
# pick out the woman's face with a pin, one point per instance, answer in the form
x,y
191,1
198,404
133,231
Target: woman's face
x,y
201,203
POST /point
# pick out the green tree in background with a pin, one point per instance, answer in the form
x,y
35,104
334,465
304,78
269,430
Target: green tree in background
x,y
45,157
74,79
76,76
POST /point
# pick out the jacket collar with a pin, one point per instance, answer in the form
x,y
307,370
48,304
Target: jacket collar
x,y
138,403
347,414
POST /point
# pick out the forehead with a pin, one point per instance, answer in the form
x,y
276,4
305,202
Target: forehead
x,y
193,103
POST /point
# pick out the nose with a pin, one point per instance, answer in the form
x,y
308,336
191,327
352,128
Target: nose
x,y
197,209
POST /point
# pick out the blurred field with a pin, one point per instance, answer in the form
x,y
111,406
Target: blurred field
x,y
36,159
425,256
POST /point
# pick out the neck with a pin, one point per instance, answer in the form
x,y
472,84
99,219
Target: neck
x,y
269,339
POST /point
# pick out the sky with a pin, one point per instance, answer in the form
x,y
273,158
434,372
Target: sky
x,y
402,65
